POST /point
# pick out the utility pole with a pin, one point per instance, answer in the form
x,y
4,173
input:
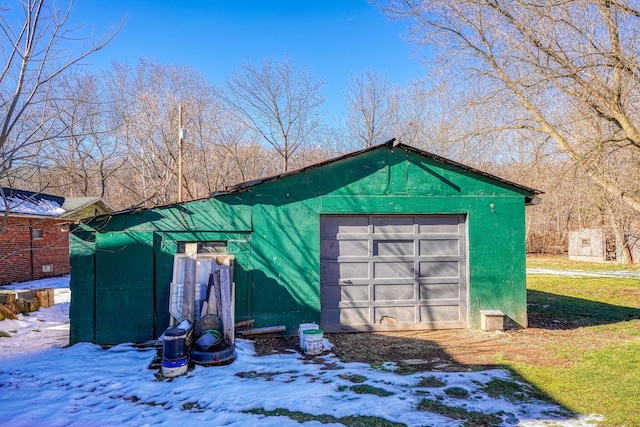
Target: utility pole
x,y
180,138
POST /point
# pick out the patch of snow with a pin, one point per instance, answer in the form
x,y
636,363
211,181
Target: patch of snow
x,y
31,206
415,361
326,345
44,384
61,282
41,330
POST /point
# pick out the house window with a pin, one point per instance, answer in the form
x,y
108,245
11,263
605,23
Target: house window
x,y
36,233
217,247
47,268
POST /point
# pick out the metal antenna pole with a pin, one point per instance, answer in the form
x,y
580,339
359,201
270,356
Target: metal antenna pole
x,y
180,136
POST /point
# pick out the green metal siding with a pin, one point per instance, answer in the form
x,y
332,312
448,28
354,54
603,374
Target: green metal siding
x,y
227,213
273,229
163,251
124,287
82,308
285,273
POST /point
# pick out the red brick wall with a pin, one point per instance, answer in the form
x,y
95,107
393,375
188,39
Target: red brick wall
x,y
22,258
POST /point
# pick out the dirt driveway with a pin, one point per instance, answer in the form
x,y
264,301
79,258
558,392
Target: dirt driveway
x,y
433,351
554,320
465,350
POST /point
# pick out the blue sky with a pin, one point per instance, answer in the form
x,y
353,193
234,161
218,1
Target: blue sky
x,y
335,39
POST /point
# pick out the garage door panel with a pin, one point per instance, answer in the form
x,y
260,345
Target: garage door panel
x,y
440,313
398,273
440,269
393,270
398,229
439,247
345,224
353,316
336,272
393,247
394,292
440,291
354,293
439,225
332,249
394,315
392,224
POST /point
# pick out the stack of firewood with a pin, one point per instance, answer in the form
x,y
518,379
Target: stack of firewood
x,y
13,302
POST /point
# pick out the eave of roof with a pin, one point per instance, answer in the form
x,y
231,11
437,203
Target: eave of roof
x,y
60,219
75,204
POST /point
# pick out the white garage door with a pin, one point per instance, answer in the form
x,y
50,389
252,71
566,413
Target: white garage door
x,y
393,272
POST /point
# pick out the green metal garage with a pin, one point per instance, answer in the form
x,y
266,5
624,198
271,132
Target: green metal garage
x,y
386,238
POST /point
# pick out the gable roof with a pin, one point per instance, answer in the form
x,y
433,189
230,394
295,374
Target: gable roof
x,y
22,202
72,205
392,143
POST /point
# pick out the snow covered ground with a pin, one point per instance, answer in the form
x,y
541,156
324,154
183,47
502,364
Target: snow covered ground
x,y
44,384
47,328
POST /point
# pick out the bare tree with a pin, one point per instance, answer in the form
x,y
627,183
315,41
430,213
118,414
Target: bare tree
x,y
567,71
34,56
88,154
236,153
148,98
277,101
36,50
119,138
371,108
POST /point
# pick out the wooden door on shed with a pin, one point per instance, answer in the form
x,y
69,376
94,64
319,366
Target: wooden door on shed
x,y
393,272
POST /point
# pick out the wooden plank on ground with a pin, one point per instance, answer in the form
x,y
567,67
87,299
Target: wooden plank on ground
x,y
265,330
26,293
245,324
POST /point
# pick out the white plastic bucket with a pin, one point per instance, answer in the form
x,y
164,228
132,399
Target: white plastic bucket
x,y
174,368
305,327
313,341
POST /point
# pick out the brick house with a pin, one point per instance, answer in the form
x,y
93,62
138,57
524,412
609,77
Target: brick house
x,y
34,227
